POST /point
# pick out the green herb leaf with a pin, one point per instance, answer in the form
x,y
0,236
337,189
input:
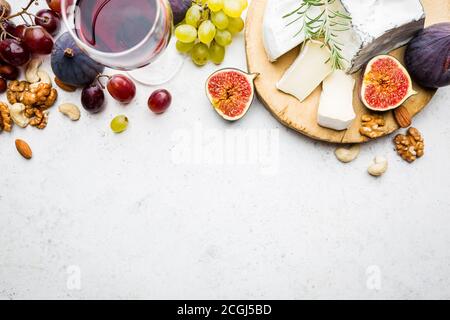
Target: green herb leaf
x,y
325,26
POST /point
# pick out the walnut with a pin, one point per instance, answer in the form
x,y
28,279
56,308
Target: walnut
x,y
33,95
40,94
373,126
38,118
5,118
16,90
410,146
43,124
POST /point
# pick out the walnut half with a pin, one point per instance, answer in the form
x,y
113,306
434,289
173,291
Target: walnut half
x,y
5,118
38,118
410,146
373,126
40,94
32,95
16,90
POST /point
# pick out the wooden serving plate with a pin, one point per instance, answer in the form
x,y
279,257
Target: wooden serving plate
x,y
302,116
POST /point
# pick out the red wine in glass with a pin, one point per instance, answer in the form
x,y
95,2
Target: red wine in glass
x,y
114,25
125,35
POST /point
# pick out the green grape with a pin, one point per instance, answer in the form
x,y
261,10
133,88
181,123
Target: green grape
x,y
223,37
184,47
232,8
206,32
193,15
220,20
215,5
200,54
244,4
216,53
235,25
186,33
119,124
205,15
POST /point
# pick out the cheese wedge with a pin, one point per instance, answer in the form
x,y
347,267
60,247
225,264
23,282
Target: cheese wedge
x,y
307,72
336,102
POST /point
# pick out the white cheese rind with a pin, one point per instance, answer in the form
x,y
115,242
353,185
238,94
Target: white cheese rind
x,y
336,102
378,27
307,72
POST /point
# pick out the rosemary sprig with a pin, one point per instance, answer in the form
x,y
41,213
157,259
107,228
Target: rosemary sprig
x,y
325,25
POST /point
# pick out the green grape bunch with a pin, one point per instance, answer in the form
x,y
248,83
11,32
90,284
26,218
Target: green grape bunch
x,y
208,28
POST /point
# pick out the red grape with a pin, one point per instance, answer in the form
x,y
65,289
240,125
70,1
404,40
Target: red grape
x,y
19,31
159,101
3,85
8,27
121,88
9,72
38,40
49,20
93,98
14,53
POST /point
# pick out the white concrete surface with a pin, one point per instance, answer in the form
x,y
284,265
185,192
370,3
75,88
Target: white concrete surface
x,y
152,213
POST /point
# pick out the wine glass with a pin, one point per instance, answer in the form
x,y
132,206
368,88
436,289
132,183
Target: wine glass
x,y
127,35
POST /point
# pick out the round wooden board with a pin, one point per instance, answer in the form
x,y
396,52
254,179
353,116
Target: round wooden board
x,y
302,116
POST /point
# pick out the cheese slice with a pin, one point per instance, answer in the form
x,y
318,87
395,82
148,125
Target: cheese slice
x,y
377,27
336,102
281,33
307,72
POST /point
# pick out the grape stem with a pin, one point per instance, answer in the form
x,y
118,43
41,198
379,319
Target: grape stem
x,y
99,76
43,19
205,9
4,33
22,12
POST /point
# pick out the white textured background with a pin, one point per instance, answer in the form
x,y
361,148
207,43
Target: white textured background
x,y
99,215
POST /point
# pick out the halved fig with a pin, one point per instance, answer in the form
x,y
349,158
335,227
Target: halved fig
x,y
386,84
231,92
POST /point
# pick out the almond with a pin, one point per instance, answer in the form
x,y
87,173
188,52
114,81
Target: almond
x,y
64,86
24,149
403,117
